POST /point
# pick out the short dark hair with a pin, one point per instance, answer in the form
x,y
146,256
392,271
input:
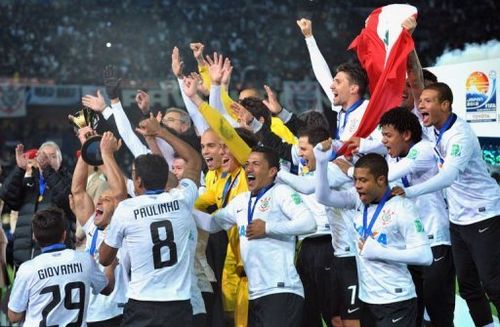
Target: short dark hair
x,y
443,90
357,75
48,226
376,163
314,119
429,76
257,108
315,135
269,154
153,171
247,136
403,120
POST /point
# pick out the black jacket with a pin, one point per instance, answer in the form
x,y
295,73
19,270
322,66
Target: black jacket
x,y
23,194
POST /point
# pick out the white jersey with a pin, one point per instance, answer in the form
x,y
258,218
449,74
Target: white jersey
x,y
398,226
196,299
269,261
204,272
156,229
338,220
417,167
319,214
474,196
104,307
341,222
54,288
346,129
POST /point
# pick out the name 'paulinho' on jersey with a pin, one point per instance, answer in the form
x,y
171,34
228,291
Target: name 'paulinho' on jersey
x,y
156,229
54,288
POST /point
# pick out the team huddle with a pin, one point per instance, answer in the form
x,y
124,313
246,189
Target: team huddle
x,y
241,213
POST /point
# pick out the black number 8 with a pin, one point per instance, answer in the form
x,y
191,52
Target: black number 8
x,y
68,304
158,244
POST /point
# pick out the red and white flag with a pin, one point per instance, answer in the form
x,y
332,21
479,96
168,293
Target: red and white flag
x,y
382,48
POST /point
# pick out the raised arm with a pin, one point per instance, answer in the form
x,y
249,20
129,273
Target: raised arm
x,y
219,124
192,171
116,181
79,201
198,121
414,68
323,193
319,65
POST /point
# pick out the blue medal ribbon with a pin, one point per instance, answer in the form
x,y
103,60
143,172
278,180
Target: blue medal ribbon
x,y
404,179
346,116
93,245
259,195
157,191
53,247
368,230
227,188
449,122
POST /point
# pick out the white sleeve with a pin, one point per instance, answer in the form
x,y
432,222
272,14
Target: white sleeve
x,y
226,217
420,158
320,67
420,255
19,295
399,169
372,146
324,195
198,120
205,222
443,179
98,280
302,184
215,100
301,220
285,115
107,112
130,188
166,150
116,229
126,132
189,191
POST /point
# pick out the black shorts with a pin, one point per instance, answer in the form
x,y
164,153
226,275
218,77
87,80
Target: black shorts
x,y
281,309
346,288
402,314
157,314
113,322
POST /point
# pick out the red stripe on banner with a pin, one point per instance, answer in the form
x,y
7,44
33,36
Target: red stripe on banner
x,y
386,82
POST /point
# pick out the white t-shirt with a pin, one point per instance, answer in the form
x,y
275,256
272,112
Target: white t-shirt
x,y
196,299
474,196
269,262
59,283
104,307
398,226
320,216
341,222
418,166
156,231
338,220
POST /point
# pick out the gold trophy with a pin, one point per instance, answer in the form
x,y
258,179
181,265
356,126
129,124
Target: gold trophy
x,y
91,150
